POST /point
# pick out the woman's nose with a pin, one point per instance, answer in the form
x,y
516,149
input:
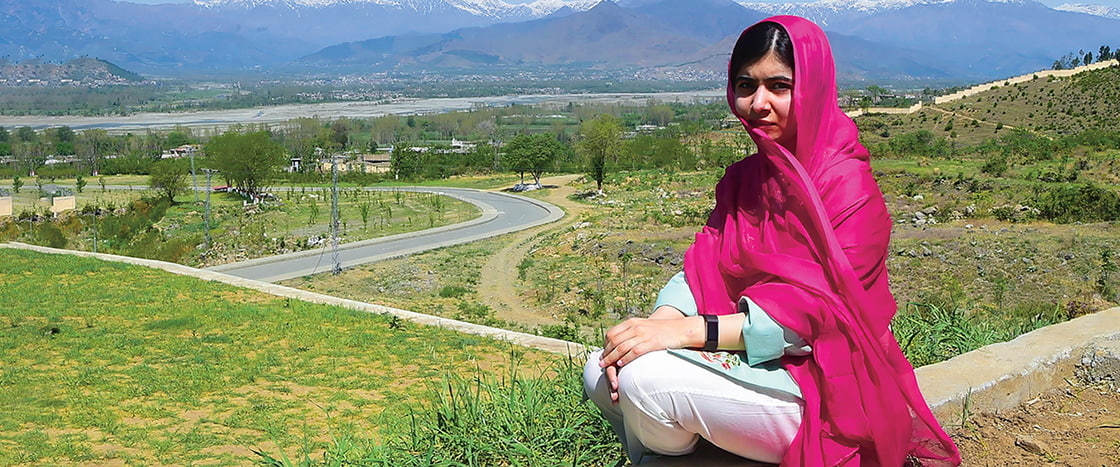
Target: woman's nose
x,y
760,102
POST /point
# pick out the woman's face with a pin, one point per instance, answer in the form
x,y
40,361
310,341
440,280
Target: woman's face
x,y
763,94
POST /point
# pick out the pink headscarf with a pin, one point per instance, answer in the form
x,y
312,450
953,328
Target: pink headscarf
x,y
805,236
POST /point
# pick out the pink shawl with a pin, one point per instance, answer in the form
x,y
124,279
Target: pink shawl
x,y
805,236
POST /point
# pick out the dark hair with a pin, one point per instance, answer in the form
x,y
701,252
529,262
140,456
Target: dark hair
x,y
759,40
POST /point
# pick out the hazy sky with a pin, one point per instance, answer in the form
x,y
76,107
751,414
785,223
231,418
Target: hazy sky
x,y
1115,3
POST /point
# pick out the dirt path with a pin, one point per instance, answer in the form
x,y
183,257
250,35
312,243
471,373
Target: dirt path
x,y
498,284
965,117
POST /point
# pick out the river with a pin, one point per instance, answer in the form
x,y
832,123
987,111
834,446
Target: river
x,y
220,119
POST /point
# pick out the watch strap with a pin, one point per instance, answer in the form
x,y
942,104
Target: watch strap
x,y
711,336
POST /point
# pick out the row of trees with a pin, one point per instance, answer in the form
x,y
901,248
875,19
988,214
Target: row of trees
x,y
527,140
600,145
1081,57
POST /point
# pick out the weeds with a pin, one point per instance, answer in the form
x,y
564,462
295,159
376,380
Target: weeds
x,y
929,333
486,419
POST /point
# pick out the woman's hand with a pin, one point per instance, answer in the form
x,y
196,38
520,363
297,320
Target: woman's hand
x,y
635,337
638,336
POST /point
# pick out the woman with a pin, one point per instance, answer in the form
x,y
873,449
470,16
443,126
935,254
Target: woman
x,y
784,293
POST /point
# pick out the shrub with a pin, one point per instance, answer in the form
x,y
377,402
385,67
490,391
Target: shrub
x,y
451,291
1072,203
565,332
995,166
49,234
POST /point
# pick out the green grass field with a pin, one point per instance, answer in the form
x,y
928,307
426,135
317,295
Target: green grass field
x,y
107,363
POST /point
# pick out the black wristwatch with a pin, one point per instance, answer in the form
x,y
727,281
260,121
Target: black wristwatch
x,y
711,338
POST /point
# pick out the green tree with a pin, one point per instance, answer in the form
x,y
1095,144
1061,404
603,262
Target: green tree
x,y
532,153
26,134
250,161
17,183
176,139
340,134
62,139
406,162
92,145
663,152
600,142
30,155
80,183
660,114
168,178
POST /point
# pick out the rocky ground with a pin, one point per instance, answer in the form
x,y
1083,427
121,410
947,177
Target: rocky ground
x,y
1077,425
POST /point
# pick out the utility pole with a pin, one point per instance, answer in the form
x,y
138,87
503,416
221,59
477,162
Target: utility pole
x,y
194,179
336,269
209,173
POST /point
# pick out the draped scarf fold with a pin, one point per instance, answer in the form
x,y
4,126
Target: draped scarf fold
x,y
805,235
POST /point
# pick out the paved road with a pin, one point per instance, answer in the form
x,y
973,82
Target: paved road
x,y
501,213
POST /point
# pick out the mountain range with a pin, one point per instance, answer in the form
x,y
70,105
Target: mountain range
x,y
873,39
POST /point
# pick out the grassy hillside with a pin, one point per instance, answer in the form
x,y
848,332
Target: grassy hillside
x,y
1047,107
106,363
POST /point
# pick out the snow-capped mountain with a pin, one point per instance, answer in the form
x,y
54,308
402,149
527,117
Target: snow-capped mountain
x,y
1095,10
826,12
496,9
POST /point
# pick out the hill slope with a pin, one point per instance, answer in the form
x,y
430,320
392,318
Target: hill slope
x,y
1051,107
77,72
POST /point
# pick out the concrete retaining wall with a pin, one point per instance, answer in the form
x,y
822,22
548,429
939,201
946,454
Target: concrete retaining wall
x,y
1001,376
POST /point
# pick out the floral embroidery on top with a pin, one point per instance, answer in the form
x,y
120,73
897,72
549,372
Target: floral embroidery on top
x,y
727,360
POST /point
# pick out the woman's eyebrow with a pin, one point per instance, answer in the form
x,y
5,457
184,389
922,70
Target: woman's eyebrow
x,y
768,78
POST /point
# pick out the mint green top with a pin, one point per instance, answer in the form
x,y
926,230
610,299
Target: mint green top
x,y
759,366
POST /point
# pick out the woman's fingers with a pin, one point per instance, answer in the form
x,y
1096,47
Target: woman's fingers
x,y
612,381
617,336
636,337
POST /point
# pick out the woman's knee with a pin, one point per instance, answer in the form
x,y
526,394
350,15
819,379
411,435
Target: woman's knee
x,y
594,381
649,373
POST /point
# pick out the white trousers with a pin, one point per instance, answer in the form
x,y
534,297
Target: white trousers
x,y
667,403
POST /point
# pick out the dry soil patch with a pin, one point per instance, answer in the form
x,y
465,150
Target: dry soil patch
x,y
1074,426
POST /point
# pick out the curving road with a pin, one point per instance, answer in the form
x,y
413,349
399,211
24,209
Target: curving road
x,y
501,213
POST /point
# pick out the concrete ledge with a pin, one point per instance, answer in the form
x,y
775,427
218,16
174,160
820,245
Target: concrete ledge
x,y
1002,376
528,340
